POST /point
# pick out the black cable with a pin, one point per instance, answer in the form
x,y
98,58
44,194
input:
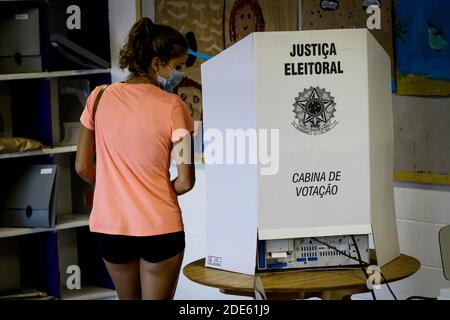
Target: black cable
x,y
360,261
362,266
420,298
388,286
341,252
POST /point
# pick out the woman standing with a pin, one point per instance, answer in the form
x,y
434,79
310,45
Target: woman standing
x,y
132,134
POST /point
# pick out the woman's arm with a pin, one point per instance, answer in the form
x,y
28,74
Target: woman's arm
x,y
184,157
84,163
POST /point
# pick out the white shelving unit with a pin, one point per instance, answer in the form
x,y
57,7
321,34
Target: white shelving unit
x,y
67,224
36,105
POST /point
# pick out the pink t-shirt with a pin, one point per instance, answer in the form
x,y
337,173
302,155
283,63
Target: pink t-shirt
x,y
135,128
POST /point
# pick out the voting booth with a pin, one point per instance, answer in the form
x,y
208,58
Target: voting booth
x,y
315,108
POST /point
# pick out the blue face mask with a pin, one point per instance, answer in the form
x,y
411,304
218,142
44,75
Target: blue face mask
x,y
174,80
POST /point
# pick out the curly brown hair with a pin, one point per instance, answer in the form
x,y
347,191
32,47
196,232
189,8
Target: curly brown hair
x,y
256,8
147,40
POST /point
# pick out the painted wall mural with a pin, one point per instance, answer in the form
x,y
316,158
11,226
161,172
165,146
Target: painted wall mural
x,y
246,17
243,17
422,38
201,20
347,14
190,92
210,27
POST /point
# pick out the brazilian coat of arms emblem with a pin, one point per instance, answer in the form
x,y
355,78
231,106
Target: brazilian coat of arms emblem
x,y
314,110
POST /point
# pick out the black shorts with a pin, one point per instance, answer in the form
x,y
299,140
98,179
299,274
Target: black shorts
x,y
119,249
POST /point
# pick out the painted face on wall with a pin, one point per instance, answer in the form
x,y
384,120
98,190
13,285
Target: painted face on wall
x,y
245,21
193,99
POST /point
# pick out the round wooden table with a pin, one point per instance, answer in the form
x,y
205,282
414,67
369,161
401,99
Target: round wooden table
x,y
327,284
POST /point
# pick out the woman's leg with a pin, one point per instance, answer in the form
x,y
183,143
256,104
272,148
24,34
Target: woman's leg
x,y
126,278
159,280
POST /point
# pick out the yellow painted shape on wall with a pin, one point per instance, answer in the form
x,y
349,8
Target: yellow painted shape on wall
x,y
412,85
417,177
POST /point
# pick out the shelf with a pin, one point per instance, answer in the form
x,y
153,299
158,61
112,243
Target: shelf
x,y
54,74
25,294
71,221
15,232
88,293
45,151
68,221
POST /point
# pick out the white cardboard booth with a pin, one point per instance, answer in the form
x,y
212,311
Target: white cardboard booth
x,y
324,100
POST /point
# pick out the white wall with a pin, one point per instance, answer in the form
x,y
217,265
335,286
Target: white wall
x,y
421,210
148,9
122,15
193,206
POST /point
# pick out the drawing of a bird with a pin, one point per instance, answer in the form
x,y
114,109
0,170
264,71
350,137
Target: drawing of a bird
x,y
435,38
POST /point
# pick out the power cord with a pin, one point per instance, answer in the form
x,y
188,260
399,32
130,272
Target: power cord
x,y
420,298
388,286
360,261
362,266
